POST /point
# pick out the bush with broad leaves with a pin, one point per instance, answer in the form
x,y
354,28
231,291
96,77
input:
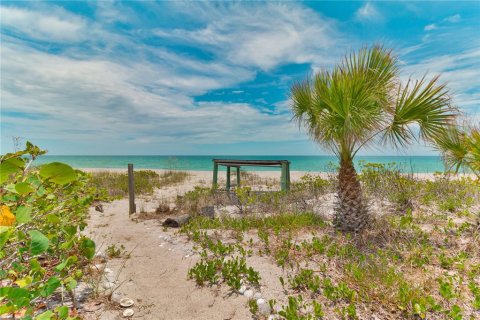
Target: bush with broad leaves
x,y
42,251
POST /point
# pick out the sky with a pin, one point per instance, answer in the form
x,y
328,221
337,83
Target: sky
x,y
199,78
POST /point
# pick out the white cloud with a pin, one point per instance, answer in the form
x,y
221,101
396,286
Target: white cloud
x,y
58,25
453,19
460,71
117,97
264,36
117,103
368,12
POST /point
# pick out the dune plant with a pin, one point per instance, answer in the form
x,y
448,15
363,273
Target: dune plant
x,y
42,250
362,101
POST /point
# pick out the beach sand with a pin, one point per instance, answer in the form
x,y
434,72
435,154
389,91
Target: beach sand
x,y
155,273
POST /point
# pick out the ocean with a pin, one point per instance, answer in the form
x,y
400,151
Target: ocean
x,y
414,164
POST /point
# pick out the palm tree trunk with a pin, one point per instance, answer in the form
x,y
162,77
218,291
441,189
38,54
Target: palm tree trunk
x,y
351,212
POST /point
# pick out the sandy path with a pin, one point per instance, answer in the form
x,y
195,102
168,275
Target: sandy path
x,y
155,275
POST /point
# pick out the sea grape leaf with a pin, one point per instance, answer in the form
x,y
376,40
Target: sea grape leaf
x,y
67,262
5,233
11,188
23,188
70,230
14,293
4,309
9,167
47,315
23,214
57,172
24,281
62,312
52,218
87,247
52,284
70,283
39,242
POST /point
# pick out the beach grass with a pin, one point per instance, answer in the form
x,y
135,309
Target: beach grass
x,y
146,181
418,259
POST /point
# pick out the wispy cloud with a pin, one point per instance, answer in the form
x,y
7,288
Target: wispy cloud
x,y
453,19
459,71
58,25
448,20
263,36
118,102
368,12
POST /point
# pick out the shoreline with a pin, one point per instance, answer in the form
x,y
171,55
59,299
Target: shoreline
x,y
273,174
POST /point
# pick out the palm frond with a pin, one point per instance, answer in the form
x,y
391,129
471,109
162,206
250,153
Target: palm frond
x,y
452,144
425,103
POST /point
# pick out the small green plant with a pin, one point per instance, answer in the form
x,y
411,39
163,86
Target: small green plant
x,y
218,264
349,312
264,236
253,306
298,309
282,254
447,289
206,271
455,313
475,289
339,292
114,252
305,279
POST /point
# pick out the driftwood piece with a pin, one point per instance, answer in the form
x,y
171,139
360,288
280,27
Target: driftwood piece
x,y
176,222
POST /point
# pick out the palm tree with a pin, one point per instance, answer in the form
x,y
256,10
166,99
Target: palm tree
x,y
460,146
360,102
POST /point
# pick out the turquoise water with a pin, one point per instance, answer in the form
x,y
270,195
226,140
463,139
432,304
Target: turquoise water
x,y
415,164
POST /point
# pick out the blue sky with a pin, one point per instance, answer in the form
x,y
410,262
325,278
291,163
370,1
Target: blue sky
x,y
178,78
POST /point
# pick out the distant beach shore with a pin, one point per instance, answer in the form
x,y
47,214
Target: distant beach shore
x,y
320,163
207,176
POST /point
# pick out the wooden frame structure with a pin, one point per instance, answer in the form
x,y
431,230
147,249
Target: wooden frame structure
x,y
230,163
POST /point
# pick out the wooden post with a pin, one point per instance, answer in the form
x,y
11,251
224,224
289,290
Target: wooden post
x,y
288,176
283,177
228,178
238,176
215,176
131,190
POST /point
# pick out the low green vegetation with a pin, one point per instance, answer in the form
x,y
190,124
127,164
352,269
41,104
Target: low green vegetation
x,y
419,259
115,184
42,250
214,267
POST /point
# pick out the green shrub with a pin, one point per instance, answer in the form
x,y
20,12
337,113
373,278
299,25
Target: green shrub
x,y
42,214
